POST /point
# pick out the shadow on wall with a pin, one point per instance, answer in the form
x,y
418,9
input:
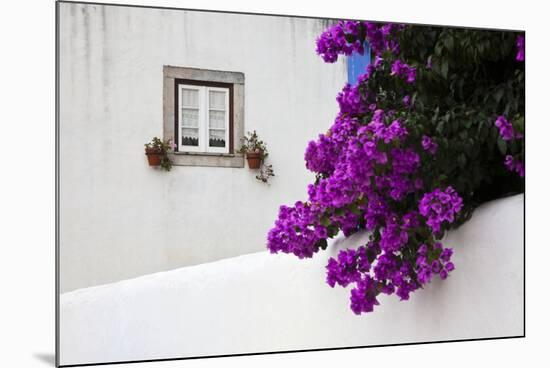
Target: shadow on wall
x,y
47,358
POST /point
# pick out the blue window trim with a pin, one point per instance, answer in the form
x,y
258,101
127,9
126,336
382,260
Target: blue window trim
x,y
357,64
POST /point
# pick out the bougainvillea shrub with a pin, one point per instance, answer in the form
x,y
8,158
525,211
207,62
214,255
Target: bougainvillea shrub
x,y
433,128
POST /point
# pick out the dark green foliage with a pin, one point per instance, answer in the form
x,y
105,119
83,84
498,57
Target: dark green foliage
x,y
465,79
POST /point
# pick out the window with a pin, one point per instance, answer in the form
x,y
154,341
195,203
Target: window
x,y
203,121
203,113
357,64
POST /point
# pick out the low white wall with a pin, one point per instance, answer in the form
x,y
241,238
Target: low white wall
x,y
262,302
118,217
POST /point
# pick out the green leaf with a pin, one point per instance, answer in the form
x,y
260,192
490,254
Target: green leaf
x,y
501,145
440,127
498,95
449,43
462,160
332,231
445,68
353,208
438,49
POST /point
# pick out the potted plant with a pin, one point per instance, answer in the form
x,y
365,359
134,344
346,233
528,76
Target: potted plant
x,y
157,153
254,149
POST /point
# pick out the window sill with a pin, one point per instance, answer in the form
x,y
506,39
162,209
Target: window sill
x,y
207,154
207,159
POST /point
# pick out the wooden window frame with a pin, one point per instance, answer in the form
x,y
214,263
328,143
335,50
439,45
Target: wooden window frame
x,y
229,86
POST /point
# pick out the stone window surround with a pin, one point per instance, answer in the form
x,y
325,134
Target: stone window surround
x,y
170,74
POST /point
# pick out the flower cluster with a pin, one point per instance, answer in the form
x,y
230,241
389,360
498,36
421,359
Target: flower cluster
x,y
507,133
429,145
363,299
514,165
347,37
364,171
403,71
349,267
373,171
351,101
391,275
318,155
333,41
505,129
439,207
433,261
294,233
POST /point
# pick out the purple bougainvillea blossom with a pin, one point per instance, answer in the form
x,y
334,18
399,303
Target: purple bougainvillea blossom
x,y
429,145
514,165
294,233
432,261
343,39
505,129
368,176
520,44
403,71
348,267
439,207
363,296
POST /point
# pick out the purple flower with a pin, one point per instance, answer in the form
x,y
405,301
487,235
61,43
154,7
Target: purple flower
x,y
293,231
348,268
369,172
423,250
439,207
514,165
505,129
441,265
520,44
344,38
320,155
351,101
436,266
363,296
429,145
407,101
395,131
425,275
403,71
410,220
394,237
446,254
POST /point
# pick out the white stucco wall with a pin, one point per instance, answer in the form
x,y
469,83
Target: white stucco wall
x,y
118,217
263,302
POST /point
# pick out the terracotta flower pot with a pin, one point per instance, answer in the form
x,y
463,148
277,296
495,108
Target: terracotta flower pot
x,y
154,157
254,159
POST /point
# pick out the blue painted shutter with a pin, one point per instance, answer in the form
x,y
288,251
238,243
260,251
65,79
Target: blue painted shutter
x,y
357,64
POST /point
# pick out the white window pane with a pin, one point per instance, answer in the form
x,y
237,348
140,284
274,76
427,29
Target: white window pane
x,y
217,100
217,119
190,137
190,97
190,117
217,138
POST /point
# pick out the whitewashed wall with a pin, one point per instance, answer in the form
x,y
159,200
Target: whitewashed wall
x,y
120,218
263,302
